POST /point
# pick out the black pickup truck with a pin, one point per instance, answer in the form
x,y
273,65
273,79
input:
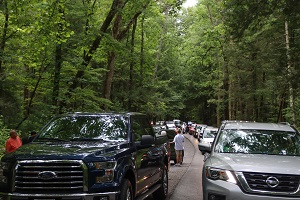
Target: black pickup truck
x,y
89,156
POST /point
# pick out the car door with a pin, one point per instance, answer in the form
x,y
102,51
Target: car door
x,y
147,159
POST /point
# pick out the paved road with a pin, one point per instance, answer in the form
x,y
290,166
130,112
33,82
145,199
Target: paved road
x,y
185,181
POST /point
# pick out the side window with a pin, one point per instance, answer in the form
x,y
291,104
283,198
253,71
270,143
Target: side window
x,y
147,127
137,129
140,126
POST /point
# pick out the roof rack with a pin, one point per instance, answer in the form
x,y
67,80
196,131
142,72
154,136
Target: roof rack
x,y
285,123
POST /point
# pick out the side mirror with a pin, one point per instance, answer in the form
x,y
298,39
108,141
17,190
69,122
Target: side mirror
x,y
146,142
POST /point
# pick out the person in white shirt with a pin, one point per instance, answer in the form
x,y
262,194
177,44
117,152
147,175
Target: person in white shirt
x,y
178,140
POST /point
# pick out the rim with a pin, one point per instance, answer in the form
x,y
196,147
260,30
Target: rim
x,y
128,194
165,183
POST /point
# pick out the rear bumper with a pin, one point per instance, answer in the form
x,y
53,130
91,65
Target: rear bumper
x,y
81,196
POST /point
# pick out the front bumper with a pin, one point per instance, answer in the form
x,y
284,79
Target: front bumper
x,y
81,196
228,191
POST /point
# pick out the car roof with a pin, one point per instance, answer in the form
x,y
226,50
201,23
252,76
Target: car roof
x,y
210,127
169,122
258,126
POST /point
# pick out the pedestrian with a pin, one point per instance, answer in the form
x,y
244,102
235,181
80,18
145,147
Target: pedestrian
x,y
178,140
187,129
13,142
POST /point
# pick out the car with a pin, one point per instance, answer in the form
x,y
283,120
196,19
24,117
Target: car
x,y
170,133
199,128
192,129
157,128
89,156
206,139
170,125
178,123
253,160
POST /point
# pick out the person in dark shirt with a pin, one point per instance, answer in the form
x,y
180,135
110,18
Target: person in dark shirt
x,y
29,138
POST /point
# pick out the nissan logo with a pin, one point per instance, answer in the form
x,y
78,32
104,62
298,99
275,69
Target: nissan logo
x,y
46,175
272,182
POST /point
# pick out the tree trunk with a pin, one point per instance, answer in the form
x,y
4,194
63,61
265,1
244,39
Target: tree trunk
x,y
109,75
56,79
142,51
119,35
161,41
132,63
4,37
115,7
2,47
290,72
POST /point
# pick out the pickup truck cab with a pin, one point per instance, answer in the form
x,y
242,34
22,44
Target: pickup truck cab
x,y
88,156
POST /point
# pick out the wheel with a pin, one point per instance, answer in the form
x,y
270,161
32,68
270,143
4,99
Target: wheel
x,y
162,192
126,190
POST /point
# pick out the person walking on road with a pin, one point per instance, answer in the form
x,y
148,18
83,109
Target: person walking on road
x,y
178,140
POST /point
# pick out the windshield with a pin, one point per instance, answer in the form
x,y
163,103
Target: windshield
x,y
209,134
258,142
104,127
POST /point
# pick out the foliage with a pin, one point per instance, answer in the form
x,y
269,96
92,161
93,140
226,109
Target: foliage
x,y
215,61
3,137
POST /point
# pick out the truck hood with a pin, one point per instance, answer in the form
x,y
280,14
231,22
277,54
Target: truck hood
x,y
71,150
255,163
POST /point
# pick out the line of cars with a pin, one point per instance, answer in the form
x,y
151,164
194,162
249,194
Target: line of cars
x,y
205,135
206,138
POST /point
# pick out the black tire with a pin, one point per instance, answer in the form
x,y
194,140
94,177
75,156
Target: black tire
x,y
162,192
126,190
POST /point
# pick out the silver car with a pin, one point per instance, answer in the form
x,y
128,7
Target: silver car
x,y
206,139
253,161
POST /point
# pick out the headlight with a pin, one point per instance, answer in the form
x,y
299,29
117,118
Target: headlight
x,y
103,171
220,174
3,172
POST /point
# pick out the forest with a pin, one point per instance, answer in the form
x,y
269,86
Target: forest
x,y
218,60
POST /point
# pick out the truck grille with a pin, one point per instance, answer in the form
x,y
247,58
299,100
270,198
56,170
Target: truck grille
x,y
277,182
49,177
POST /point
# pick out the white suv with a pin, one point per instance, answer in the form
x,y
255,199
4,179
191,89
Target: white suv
x,y
253,161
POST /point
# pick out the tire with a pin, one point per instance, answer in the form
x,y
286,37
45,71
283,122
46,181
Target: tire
x,y
126,190
162,192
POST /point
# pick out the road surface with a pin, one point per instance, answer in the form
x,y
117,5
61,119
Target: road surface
x,y
185,181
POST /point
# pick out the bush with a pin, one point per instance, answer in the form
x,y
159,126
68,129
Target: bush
x,y
3,137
